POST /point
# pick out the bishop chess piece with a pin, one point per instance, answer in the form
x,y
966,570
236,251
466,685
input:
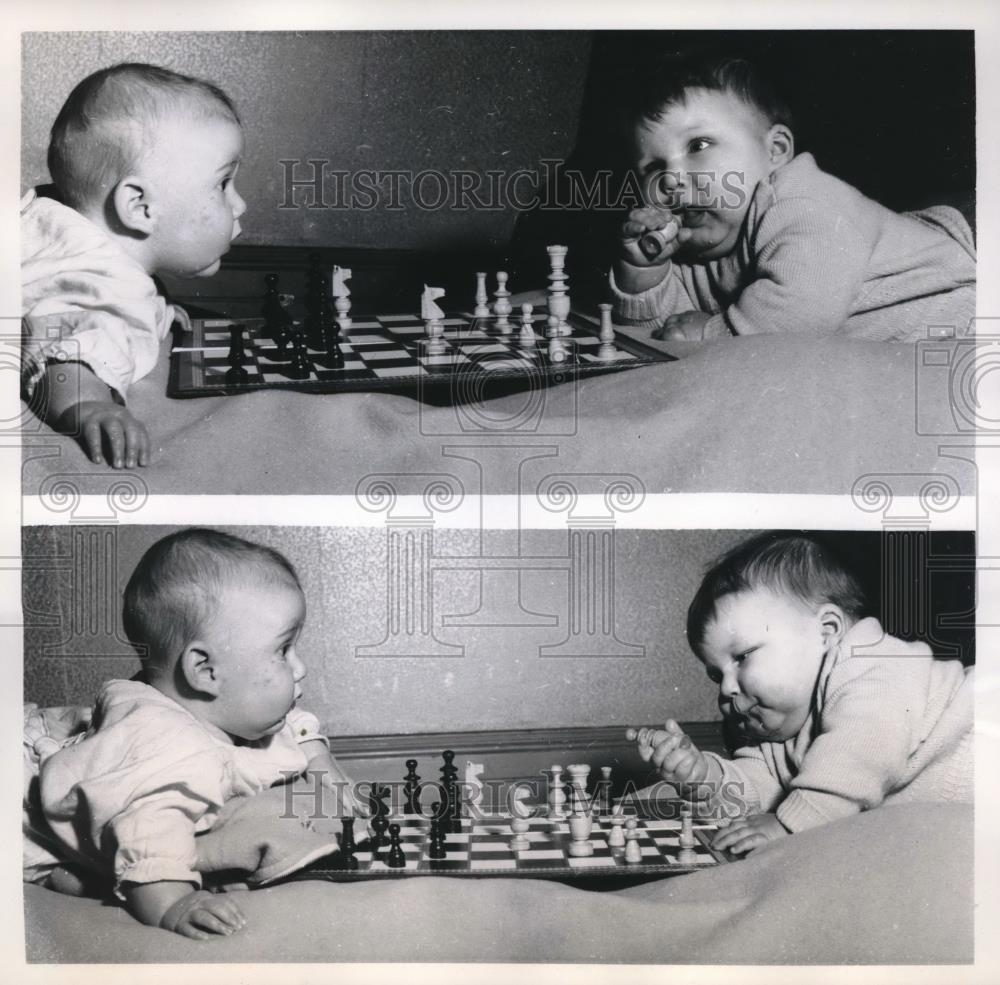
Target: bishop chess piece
x,y
482,309
501,305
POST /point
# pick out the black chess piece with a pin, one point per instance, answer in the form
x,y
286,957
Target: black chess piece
x,y
436,847
378,840
300,367
411,788
237,356
347,845
277,321
334,354
396,859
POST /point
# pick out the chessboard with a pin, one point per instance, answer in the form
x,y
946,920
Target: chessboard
x,y
481,848
222,357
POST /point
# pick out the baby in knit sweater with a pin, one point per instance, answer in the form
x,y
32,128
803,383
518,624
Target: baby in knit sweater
x,y
740,236
212,718
835,716
143,163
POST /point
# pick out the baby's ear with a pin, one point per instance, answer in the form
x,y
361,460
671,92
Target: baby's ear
x,y
198,670
833,623
132,207
780,144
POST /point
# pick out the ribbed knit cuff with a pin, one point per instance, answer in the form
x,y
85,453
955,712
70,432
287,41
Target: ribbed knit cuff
x,y
644,309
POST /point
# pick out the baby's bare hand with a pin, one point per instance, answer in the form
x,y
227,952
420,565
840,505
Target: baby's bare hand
x,y
107,431
687,326
672,752
747,834
202,914
650,237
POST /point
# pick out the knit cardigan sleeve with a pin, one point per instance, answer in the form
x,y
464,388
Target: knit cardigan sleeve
x,y
861,748
809,264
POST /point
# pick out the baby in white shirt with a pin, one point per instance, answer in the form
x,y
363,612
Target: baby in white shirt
x,y
143,162
213,717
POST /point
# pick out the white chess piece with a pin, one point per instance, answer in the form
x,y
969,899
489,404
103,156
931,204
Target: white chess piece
x,y
342,295
559,303
433,316
502,306
606,350
557,796
527,336
482,309
633,852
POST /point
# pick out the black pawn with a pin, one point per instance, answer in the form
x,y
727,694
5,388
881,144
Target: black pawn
x,y
411,788
379,823
300,367
436,848
237,356
334,355
396,859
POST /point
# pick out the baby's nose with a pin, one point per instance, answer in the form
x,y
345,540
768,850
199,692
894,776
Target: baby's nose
x,y
239,205
298,668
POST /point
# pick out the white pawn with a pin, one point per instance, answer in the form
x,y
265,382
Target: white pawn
x,y
580,827
527,336
616,837
633,853
606,350
519,843
482,308
557,351
502,306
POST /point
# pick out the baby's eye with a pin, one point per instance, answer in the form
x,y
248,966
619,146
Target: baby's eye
x,y
699,144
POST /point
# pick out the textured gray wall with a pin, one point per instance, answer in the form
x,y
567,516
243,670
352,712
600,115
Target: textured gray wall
x,y
362,100
500,682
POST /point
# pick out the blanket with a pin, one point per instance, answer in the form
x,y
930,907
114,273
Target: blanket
x,y
894,885
818,413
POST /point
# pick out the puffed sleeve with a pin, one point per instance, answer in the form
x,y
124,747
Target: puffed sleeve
x,y
85,300
305,727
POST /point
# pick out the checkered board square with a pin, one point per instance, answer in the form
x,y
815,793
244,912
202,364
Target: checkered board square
x,y
392,352
482,848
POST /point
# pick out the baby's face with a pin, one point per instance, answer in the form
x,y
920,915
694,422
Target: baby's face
x,y
703,159
191,173
252,639
764,651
